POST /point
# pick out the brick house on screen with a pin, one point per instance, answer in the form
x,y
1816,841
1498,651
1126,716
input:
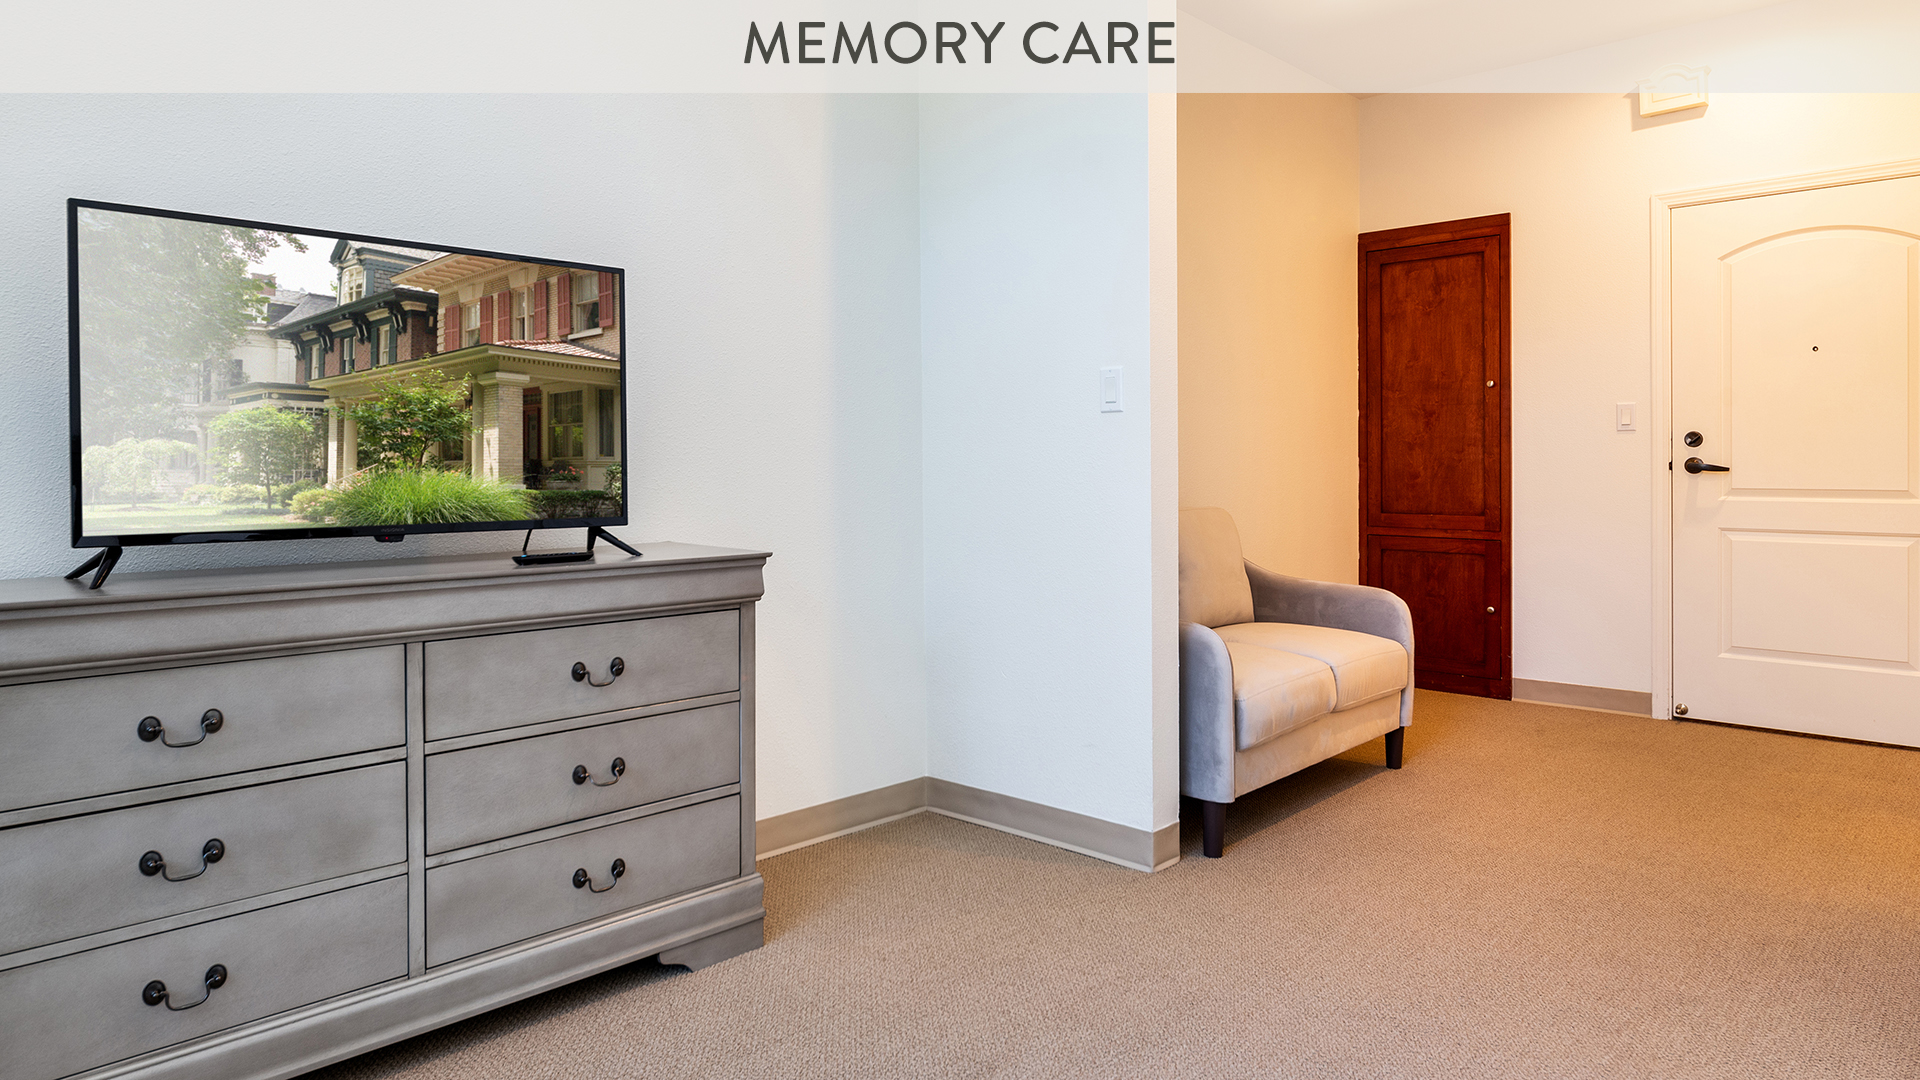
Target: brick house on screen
x,y
373,322
539,342
372,325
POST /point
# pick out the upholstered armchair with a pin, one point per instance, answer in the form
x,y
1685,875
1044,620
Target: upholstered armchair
x,y
1278,672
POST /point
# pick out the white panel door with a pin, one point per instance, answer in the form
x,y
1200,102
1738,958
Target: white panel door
x,y
1796,365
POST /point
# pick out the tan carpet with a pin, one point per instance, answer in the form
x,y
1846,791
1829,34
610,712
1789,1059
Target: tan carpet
x,y
1541,892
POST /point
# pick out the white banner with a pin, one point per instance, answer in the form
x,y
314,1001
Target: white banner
x,y
956,46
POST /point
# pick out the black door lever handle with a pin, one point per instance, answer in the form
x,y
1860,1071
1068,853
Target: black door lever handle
x,y
1695,465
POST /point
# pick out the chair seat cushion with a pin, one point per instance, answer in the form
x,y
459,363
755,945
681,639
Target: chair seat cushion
x,y
1275,692
1365,668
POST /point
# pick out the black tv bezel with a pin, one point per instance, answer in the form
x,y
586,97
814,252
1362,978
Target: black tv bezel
x,y
74,206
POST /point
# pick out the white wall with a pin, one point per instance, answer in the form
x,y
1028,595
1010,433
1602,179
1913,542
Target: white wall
x,y
1039,550
1163,213
1269,369
1577,173
772,251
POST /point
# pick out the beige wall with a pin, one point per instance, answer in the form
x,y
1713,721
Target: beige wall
x,y
1268,371
1577,173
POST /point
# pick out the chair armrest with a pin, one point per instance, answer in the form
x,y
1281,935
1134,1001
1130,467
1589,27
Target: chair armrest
x,y
1206,715
1279,598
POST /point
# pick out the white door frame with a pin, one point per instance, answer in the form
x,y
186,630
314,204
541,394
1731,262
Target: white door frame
x,y
1660,408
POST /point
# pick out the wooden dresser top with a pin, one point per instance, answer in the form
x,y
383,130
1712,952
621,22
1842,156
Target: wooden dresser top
x,y
50,626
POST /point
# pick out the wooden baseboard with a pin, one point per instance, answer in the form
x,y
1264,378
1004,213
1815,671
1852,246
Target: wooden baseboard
x,y
1598,698
812,824
1135,848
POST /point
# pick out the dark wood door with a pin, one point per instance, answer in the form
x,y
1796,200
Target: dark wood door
x,y
1436,443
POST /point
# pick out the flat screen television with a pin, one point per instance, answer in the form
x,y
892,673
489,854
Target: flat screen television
x,y
237,380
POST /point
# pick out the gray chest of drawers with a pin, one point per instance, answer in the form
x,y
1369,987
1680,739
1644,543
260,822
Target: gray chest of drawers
x,y
256,821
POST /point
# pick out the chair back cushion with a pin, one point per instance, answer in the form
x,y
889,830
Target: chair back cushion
x,y
1213,578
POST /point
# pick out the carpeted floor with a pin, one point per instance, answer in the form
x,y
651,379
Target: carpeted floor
x,y
1541,892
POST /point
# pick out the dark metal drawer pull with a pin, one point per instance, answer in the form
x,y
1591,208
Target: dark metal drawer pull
x,y
614,670
155,863
156,991
151,728
584,880
618,768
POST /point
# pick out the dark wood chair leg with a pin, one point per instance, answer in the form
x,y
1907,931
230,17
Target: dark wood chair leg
x,y
1213,828
1396,743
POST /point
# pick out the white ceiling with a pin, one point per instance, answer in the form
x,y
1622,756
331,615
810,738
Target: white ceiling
x,y
1386,45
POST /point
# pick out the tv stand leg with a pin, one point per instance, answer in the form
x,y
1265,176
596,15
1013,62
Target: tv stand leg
x,y
595,532
102,564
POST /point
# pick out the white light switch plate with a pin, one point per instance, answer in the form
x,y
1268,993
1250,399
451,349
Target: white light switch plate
x,y
1623,417
1110,391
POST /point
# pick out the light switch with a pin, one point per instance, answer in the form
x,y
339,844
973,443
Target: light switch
x,y
1623,417
1110,390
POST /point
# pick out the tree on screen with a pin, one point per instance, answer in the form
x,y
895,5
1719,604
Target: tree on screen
x,y
130,468
265,446
159,297
408,415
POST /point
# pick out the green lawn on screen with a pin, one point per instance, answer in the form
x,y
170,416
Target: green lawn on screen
x,y
115,520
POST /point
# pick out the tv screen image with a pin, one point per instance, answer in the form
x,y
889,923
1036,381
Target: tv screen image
x,y
234,380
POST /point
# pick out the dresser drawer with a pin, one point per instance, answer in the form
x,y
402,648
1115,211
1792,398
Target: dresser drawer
x,y
80,737
495,900
87,1009
505,680
508,788
84,874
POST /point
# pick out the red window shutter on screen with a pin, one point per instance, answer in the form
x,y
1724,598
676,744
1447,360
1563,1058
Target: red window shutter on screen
x,y
486,319
539,311
563,300
449,327
606,298
502,316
